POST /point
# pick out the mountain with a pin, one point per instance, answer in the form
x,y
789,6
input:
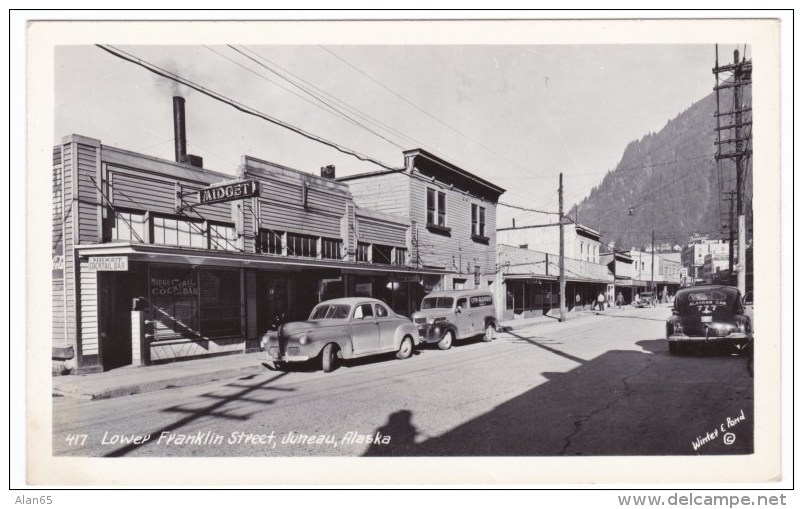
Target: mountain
x,y
667,181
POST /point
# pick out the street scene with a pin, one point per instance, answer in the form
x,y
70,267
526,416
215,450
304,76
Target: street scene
x,y
600,384
403,251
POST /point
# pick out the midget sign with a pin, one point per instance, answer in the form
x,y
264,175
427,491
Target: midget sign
x,y
228,192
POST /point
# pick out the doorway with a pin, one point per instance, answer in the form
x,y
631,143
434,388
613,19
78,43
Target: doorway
x,y
117,293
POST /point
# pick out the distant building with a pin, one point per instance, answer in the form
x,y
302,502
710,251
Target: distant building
x,y
714,267
693,256
579,241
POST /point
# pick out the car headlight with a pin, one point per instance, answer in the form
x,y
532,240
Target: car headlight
x,y
430,320
302,339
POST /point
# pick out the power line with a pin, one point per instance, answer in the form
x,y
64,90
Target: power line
x,y
241,107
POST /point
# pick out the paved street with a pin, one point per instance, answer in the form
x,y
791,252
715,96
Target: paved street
x,y
596,385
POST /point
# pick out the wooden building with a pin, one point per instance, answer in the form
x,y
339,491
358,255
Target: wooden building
x,y
156,260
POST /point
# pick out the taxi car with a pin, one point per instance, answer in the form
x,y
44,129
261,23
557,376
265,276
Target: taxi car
x,y
344,328
709,315
456,314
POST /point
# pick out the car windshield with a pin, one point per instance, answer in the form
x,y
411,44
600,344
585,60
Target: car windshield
x,y
437,302
333,311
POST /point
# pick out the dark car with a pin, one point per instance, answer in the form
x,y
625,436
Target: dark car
x,y
709,315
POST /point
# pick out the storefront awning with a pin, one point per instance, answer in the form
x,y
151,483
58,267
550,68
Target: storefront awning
x,y
182,255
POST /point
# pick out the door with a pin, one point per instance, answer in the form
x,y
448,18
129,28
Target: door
x,y
364,330
387,323
117,293
462,318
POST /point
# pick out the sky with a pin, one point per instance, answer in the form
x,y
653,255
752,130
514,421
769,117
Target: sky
x,y
517,116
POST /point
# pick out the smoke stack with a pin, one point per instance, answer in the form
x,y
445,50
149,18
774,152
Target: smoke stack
x,y
179,129
514,222
328,172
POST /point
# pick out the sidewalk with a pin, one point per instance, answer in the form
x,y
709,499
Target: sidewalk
x,y
136,380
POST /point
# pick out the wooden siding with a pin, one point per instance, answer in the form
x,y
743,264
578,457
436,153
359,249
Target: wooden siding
x,y
388,194
457,251
380,232
157,193
281,204
89,310
87,169
69,253
59,336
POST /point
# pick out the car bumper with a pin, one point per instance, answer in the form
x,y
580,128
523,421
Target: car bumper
x,y
274,355
430,333
738,337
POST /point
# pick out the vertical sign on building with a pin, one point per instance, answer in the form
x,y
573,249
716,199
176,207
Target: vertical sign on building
x,y
57,249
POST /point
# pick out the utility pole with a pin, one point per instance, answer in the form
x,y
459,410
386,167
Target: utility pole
x,y
742,71
562,275
652,266
731,195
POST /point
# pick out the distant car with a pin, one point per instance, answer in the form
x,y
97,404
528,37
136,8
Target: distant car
x,y
341,329
456,314
709,315
646,299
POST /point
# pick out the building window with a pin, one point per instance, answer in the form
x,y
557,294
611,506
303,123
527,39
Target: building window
x,y
219,299
477,222
222,238
363,250
523,246
302,245
458,284
178,232
330,249
270,242
400,256
436,208
381,254
128,226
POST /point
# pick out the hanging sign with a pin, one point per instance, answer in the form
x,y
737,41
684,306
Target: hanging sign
x,y
228,192
101,263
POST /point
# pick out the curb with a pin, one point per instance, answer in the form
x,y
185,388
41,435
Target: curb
x,y
79,392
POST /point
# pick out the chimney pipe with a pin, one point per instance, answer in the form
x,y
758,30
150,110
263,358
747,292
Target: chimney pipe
x,y
514,222
328,171
179,129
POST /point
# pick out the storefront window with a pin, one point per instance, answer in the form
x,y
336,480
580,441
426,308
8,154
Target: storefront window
x,y
192,303
362,251
220,302
174,302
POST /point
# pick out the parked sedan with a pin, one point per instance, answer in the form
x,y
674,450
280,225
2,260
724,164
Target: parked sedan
x,y
709,315
341,329
646,299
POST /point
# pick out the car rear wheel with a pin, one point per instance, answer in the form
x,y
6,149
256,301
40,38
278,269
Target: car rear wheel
x,y
328,358
446,342
405,348
489,332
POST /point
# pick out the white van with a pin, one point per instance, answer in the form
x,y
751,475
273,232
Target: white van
x,y
456,314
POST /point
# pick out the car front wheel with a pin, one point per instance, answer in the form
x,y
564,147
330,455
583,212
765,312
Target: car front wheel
x,y
446,342
674,348
328,358
489,333
405,348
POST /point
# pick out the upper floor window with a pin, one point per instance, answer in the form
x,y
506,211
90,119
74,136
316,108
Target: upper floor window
x,y
178,232
302,245
128,226
330,249
363,251
436,207
57,192
270,242
381,254
222,238
478,221
400,256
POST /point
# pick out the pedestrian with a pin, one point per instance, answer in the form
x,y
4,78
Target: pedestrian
x,y
620,299
578,303
601,302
